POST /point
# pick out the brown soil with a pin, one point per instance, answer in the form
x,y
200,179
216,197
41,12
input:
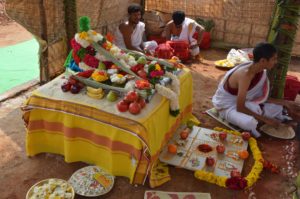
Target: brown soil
x,y
19,173
10,31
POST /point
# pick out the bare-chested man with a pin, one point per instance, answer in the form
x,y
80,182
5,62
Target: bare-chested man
x,y
242,97
131,34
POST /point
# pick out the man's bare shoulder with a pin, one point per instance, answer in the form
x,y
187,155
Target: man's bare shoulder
x,y
123,27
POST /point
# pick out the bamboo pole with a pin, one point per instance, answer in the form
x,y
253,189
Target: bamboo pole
x,y
70,20
44,65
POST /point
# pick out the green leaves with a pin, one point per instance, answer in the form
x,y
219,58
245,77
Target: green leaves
x,y
84,24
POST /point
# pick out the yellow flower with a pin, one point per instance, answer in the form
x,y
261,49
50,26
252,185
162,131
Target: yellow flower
x,y
120,75
83,35
157,67
99,76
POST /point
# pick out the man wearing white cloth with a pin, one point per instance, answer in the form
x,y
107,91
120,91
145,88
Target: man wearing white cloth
x,y
131,34
242,97
184,28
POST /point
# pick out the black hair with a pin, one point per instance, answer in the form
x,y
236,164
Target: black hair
x,y
132,8
178,17
263,50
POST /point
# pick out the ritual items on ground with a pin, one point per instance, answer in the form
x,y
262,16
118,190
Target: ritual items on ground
x,y
110,73
210,148
91,181
51,188
234,58
217,156
235,181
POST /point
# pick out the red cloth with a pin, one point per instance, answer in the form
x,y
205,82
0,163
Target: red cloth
x,y
206,37
292,87
254,81
158,39
164,51
181,49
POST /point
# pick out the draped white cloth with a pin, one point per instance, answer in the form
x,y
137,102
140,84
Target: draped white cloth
x,y
225,103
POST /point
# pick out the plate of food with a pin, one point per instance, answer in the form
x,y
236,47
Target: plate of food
x,y
51,188
91,181
224,63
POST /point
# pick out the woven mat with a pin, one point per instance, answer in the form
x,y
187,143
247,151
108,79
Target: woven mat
x,y
214,114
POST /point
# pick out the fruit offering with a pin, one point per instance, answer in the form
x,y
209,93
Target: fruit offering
x,y
243,154
172,148
112,96
132,102
184,134
96,93
222,136
210,161
220,148
246,136
205,148
72,85
122,106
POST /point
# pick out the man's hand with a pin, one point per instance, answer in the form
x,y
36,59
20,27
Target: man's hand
x,y
293,109
272,122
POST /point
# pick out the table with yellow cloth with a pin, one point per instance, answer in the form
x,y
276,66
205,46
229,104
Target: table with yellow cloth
x,y
94,131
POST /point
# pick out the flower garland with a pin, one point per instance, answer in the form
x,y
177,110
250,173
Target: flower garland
x,y
246,182
170,95
175,84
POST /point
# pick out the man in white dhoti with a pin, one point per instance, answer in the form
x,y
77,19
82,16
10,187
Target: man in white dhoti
x,y
242,97
184,28
131,34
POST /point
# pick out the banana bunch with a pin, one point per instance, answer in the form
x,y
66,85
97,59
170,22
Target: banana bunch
x,y
96,93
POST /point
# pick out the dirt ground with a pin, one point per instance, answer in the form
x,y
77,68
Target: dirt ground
x,y
19,173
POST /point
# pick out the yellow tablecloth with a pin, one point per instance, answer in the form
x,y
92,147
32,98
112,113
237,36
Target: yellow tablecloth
x,y
93,131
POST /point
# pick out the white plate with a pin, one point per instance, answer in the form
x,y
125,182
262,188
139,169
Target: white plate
x,y
85,184
40,183
282,132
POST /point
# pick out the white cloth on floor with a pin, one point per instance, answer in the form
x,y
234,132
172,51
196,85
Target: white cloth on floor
x,y
256,97
136,38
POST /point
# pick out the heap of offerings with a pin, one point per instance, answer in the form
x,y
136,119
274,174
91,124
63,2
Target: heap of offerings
x,y
110,72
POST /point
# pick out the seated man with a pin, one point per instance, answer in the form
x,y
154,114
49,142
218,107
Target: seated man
x,y
242,97
184,28
131,34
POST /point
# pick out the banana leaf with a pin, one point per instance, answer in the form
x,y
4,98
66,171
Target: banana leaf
x,y
94,84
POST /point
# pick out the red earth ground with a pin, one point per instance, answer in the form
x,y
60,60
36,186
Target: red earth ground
x,y
19,173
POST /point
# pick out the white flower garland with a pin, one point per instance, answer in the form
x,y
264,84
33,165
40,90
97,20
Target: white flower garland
x,y
169,94
175,84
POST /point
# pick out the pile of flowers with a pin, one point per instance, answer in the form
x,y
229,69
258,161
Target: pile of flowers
x,y
236,182
110,67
